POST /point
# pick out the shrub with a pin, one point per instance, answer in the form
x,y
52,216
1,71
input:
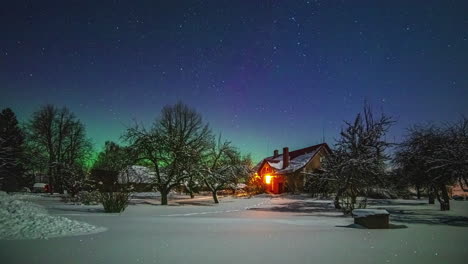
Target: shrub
x,y
87,198
114,202
348,204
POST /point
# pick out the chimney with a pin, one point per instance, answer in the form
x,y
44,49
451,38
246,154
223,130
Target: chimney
x,y
275,153
285,157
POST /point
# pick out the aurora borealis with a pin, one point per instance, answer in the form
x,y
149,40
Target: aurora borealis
x,y
265,74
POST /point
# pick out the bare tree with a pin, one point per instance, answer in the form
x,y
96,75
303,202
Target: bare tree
x,y
174,140
411,158
61,138
219,166
437,158
358,162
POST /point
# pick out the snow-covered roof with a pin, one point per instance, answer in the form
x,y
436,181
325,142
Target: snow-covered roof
x,y
297,159
298,162
136,174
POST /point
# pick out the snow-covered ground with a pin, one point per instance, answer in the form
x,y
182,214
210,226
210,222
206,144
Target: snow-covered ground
x,y
20,219
257,230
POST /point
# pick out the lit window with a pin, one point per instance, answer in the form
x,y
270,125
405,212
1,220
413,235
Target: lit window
x,y
267,179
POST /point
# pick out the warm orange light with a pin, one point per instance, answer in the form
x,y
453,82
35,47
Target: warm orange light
x,y
267,179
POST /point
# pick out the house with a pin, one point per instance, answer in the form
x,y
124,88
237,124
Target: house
x,y
136,175
457,190
140,177
285,172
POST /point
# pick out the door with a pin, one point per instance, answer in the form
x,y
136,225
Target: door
x,y
280,187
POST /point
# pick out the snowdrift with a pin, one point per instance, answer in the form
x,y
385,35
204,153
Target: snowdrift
x,y
25,220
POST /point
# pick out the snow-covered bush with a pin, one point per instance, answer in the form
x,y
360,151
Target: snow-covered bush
x,y
348,204
358,161
114,202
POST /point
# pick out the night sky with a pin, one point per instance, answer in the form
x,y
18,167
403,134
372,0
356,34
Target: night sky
x,y
267,74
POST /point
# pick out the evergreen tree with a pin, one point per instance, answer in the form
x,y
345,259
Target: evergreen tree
x,y
11,149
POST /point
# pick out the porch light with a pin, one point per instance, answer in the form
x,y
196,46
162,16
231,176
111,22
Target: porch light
x,y
267,179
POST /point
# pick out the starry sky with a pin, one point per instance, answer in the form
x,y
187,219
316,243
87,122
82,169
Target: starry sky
x,y
266,74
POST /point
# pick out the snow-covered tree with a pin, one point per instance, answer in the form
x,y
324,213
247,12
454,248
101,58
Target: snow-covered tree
x,y
412,156
358,161
170,145
436,158
194,181
222,166
452,156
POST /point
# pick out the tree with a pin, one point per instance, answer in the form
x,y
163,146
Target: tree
x,y
436,157
450,160
222,166
114,157
172,143
193,182
11,151
61,138
110,163
358,162
411,158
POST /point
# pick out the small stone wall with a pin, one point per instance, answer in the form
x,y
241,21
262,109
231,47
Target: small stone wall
x,y
372,219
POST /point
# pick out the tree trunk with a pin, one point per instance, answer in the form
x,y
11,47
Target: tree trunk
x,y
431,199
215,196
189,187
50,177
189,190
336,202
418,192
444,200
163,196
431,195
338,195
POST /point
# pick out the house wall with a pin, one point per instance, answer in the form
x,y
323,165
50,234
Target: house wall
x,y
266,169
315,163
277,183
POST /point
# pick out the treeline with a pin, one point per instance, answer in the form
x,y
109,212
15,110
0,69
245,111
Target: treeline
x,y
178,148
181,152
53,143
